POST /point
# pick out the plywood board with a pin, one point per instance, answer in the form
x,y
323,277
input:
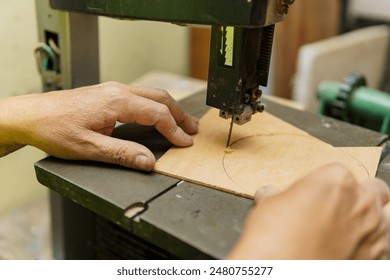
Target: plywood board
x,y
266,151
363,50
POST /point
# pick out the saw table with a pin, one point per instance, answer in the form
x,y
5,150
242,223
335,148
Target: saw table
x,y
102,211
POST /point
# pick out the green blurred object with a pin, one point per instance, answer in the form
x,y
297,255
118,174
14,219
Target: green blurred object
x,y
352,101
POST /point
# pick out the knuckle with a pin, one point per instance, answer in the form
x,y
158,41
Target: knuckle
x,y
339,183
163,110
164,96
114,91
337,167
340,180
120,155
340,169
111,84
112,87
164,93
342,176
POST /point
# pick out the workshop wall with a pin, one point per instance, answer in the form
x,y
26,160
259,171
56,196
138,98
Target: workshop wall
x,y
18,74
127,50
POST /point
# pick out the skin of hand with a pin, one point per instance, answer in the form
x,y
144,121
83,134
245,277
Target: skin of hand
x,y
77,124
325,215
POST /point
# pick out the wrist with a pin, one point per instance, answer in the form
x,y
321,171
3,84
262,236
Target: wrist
x,y
9,140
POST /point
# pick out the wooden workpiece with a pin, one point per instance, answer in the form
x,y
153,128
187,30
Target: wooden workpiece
x,y
265,151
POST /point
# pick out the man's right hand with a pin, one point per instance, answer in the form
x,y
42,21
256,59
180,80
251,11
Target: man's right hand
x,y
325,215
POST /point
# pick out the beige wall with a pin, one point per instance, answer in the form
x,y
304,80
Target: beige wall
x,y
128,50
18,75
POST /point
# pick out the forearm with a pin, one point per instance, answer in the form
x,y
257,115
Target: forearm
x,y
8,129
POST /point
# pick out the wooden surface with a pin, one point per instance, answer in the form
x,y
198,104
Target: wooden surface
x,y
266,151
306,22
199,52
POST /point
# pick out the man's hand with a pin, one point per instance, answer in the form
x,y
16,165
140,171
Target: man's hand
x,y
326,215
77,124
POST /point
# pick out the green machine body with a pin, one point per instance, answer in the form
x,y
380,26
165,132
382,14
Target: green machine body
x,y
352,101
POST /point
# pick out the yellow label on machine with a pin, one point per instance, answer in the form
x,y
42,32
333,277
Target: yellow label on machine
x,y
227,44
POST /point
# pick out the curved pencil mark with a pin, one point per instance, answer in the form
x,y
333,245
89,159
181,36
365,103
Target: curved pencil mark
x,y
247,137
244,138
360,163
267,134
278,134
226,172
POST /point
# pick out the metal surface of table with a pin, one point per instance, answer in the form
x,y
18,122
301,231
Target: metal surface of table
x,y
185,220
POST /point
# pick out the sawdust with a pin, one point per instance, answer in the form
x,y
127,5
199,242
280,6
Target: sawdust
x,y
228,150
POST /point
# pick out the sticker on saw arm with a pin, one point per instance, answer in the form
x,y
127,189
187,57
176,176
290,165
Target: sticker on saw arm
x,y
227,44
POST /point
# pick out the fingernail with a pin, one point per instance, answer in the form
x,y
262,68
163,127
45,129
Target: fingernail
x,y
188,139
185,139
195,124
265,191
142,162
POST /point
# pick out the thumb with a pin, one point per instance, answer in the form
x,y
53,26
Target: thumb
x,y
122,152
265,192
